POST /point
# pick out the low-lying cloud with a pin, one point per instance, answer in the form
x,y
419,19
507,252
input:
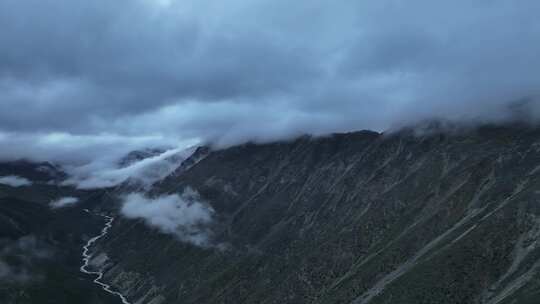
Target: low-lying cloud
x,y
18,258
64,202
184,215
142,173
15,181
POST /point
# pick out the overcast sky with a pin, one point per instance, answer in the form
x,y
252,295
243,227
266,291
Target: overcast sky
x,y
80,78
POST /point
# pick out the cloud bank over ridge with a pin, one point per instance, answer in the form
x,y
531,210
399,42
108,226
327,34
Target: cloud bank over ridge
x,y
102,173
80,78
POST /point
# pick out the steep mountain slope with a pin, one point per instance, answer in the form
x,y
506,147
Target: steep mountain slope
x,y
351,218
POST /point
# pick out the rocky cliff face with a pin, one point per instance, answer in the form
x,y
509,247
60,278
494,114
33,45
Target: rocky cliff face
x,y
351,218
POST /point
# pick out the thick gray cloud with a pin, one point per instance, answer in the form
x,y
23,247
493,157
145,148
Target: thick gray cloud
x,y
90,74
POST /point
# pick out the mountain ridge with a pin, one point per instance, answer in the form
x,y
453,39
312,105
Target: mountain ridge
x,y
362,217
349,218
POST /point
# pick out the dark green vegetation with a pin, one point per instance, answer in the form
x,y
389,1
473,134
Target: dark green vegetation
x,y
352,218
40,248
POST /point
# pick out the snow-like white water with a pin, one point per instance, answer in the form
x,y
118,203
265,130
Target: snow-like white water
x,y
86,259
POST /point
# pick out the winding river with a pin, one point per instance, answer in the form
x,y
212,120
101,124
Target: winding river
x,y
86,259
